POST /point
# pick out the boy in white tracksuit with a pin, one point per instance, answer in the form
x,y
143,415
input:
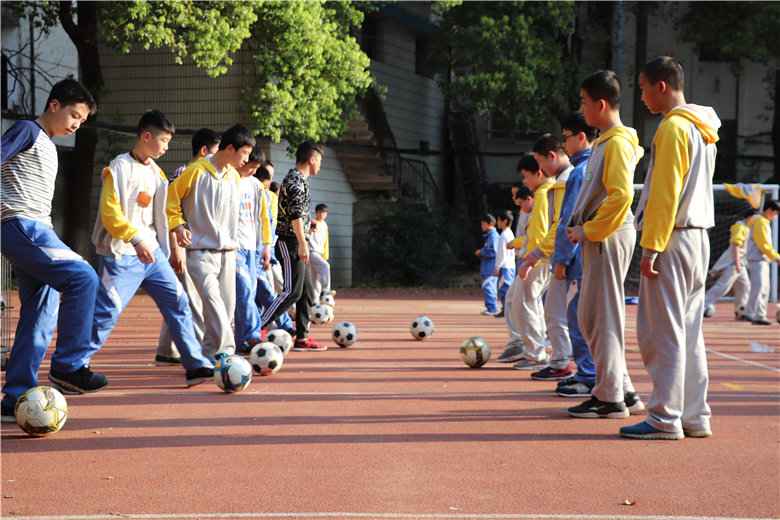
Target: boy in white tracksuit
x,y
674,213
203,211
505,258
731,269
603,224
760,253
319,243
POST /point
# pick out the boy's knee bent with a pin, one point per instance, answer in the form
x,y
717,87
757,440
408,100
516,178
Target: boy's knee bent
x,y
84,276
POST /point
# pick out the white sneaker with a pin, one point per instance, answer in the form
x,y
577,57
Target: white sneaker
x,y
486,312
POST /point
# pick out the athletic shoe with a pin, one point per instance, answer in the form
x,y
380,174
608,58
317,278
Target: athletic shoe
x,y
308,345
595,409
8,412
81,381
709,311
553,374
761,321
742,317
566,382
574,389
531,364
699,433
200,375
486,312
633,403
645,431
512,353
499,314
166,360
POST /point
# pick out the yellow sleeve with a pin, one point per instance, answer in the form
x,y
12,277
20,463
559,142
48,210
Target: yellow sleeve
x,y
670,166
265,220
739,233
548,243
177,192
274,205
111,214
539,221
326,246
618,175
763,239
518,242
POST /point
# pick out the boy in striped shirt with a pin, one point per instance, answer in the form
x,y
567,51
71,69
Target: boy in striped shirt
x,y
57,287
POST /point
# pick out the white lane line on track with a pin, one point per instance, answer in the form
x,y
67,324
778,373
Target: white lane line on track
x,y
388,516
745,361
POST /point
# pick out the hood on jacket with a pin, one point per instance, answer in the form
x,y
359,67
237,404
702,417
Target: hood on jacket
x,y
705,119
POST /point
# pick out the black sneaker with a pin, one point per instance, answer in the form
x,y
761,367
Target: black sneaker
x,y
8,412
633,403
574,389
566,382
595,409
166,360
197,376
82,381
500,314
761,321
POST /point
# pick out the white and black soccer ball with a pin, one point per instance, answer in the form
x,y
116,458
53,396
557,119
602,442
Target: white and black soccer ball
x,y
232,373
422,328
282,339
345,334
475,352
320,314
329,300
266,358
41,410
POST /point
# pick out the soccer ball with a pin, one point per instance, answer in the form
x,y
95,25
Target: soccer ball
x,y
320,314
345,334
266,359
329,300
232,373
41,410
422,328
282,339
475,352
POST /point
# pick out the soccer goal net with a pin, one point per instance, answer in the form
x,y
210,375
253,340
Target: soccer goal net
x,y
728,210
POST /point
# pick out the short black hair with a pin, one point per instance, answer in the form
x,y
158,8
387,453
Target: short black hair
x,y
524,193
487,218
268,162
263,174
666,69
306,149
69,92
321,207
274,187
748,213
237,136
154,121
772,205
603,84
547,143
506,216
575,123
517,185
203,137
528,163
257,155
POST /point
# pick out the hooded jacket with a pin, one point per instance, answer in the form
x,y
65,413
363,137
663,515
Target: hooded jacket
x,y
604,203
678,186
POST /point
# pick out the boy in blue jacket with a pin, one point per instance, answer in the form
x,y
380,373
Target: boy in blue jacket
x,y
487,264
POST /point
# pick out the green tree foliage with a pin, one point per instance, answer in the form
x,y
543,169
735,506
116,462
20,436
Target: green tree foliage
x,y
510,59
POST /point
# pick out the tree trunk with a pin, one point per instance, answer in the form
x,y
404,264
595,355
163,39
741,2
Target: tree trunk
x,y
78,211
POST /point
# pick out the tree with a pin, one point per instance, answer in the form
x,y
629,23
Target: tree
x,y
510,59
735,31
310,69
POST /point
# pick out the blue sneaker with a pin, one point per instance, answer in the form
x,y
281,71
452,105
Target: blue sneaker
x,y
646,431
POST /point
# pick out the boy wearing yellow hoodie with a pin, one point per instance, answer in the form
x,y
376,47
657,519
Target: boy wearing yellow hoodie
x,y
674,213
603,223
760,253
525,310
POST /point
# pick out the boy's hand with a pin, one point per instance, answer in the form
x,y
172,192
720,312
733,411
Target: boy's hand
x,y
524,269
183,236
476,252
560,272
647,267
303,252
145,254
178,259
738,266
510,246
266,259
575,234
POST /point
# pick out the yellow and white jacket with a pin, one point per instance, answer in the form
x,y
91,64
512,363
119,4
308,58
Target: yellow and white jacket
x,y
132,208
208,203
678,186
539,221
739,233
604,203
555,196
319,240
760,246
